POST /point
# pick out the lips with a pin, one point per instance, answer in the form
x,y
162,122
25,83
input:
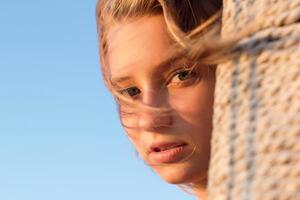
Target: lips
x,y
167,152
165,146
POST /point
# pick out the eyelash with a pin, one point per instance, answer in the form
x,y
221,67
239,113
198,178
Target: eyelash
x,y
127,91
135,91
190,76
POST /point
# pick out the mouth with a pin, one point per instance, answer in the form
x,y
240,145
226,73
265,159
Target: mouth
x,y
166,147
168,152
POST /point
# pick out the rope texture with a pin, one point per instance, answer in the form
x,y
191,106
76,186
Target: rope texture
x,y
256,138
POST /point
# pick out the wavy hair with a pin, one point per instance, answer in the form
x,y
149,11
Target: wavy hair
x,y
187,21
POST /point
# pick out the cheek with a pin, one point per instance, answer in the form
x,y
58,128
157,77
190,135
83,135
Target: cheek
x,y
135,137
196,105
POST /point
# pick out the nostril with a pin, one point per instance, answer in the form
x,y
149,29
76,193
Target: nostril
x,y
163,121
152,121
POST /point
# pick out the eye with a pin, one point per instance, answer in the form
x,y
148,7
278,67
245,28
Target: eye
x,y
131,91
182,76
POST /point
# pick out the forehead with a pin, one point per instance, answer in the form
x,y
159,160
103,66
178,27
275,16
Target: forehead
x,y
142,42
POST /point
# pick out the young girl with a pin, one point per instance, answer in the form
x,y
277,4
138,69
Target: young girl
x,y
165,98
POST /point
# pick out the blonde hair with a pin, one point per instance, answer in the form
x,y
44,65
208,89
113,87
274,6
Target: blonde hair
x,y
181,16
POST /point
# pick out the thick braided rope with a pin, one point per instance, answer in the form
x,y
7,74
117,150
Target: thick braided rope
x,y
256,137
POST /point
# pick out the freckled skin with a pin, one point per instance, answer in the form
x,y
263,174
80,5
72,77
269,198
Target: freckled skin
x,y
136,47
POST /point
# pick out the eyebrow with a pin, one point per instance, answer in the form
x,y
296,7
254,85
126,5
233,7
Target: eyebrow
x,y
159,67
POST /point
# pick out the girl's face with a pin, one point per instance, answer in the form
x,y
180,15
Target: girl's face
x,y
142,67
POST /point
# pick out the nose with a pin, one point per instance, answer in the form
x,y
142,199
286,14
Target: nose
x,y
152,121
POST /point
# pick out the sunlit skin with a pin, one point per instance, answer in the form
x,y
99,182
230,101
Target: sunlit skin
x,y
139,56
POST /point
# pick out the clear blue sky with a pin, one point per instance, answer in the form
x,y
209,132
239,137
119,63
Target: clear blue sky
x,y
60,138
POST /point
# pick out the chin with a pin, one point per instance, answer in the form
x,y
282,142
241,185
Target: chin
x,y
181,173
